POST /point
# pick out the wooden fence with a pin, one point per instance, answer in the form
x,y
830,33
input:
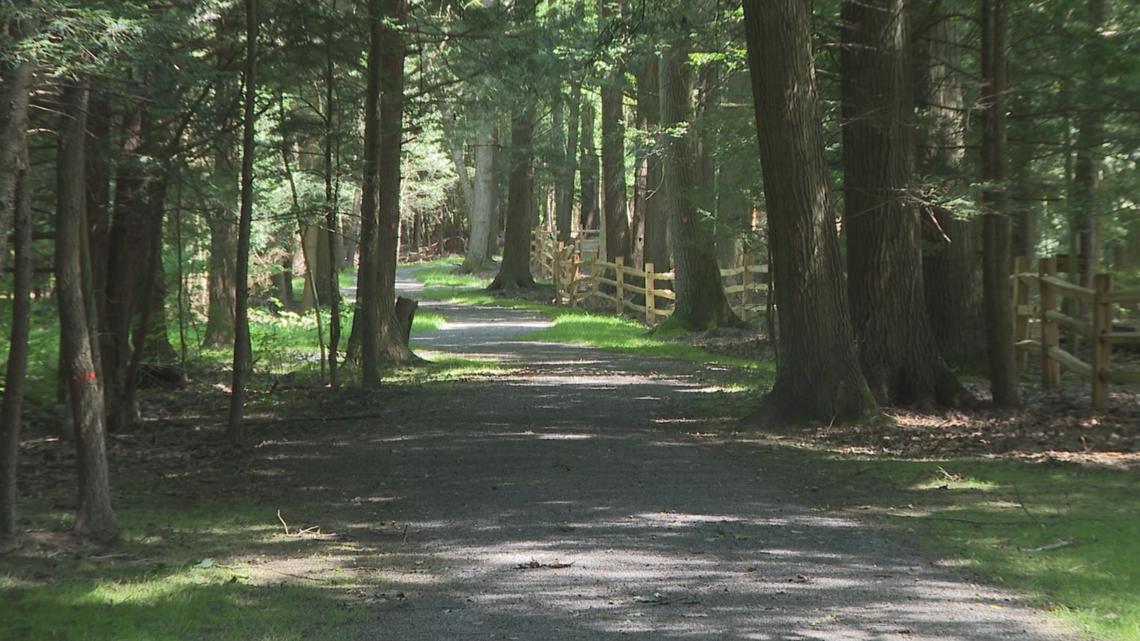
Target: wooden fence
x,y
1038,296
578,276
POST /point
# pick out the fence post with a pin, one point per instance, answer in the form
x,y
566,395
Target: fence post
x,y
556,271
1101,349
619,278
746,281
575,274
1021,264
594,274
650,294
1050,369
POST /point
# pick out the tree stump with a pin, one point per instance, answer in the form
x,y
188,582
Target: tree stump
x,y
405,314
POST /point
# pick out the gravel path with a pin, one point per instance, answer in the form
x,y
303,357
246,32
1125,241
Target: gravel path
x,y
566,501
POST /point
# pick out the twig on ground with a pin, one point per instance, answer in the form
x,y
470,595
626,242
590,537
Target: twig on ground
x,y
280,518
1064,543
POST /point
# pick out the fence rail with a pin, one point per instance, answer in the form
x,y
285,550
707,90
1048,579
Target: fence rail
x,y
579,275
1039,297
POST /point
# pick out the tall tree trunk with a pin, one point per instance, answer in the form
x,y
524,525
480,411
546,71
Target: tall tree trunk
x,y
900,360
366,322
15,84
332,206
482,205
1090,139
588,214
127,262
996,263
656,217
223,215
242,347
701,302
514,272
818,376
564,203
78,347
950,262
12,404
99,167
391,334
613,150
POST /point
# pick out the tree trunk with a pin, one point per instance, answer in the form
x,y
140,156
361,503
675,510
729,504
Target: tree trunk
x,y
366,322
588,214
78,348
99,167
818,376
222,219
127,262
390,343
901,362
514,272
701,302
1090,139
15,85
950,262
482,207
615,214
11,408
332,206
242,348
655,220
996,263
564,203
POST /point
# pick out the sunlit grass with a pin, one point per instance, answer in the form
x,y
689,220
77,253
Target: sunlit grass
x,y
447,276
444,368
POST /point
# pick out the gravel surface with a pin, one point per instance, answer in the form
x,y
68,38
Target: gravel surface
x,y
567,500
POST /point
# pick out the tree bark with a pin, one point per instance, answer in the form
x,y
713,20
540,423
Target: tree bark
x,y
564,201
1090,140
900,360
950,262
242,348
482,207
615,213
701,302
15,85
222,219
11,407
996,260
78,347
588,213
366,322
655,220
818,376
514,272
390,343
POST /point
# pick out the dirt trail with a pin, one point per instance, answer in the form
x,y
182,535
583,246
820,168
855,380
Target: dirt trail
x,y
565,501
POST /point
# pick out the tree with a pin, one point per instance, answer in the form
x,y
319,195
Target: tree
x,y
613,148
818,375
701,302
12,404
900,360
242,347
15,80
950,260
996,263
79,351
390,340
514,272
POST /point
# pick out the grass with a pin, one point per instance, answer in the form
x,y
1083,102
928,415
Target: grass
x,y
994,517
575,326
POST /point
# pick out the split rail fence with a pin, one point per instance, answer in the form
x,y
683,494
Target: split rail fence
x,y
579,276
1047,303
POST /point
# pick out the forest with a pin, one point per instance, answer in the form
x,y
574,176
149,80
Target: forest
x,y
568,319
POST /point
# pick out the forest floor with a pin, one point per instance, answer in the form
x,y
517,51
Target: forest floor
x,y
561,492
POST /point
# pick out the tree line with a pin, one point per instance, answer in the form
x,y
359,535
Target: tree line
x,y
888,158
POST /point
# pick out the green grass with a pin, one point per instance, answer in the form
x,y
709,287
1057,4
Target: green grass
x,y
445,275
579,327
992,517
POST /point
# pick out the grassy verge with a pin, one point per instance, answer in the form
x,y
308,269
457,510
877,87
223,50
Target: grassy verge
x,y
1065,534
574,326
